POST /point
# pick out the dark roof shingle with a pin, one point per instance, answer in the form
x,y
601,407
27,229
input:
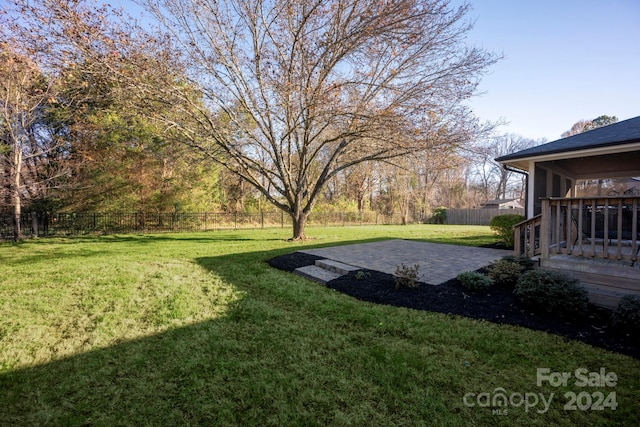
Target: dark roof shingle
x,y
623,132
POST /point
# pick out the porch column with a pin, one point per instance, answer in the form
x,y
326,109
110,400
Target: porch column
x,y
531,189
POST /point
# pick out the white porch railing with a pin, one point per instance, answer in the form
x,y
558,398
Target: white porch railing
x,y
600,227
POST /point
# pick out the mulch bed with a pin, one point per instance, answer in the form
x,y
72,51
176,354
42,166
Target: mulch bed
x,y
497,305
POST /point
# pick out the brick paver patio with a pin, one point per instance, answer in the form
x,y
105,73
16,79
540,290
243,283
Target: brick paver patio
x,y
438,262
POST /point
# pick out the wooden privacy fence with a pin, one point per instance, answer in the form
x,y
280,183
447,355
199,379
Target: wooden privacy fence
x,y
477,216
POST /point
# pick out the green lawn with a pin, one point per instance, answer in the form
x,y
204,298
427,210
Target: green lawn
x,y
196,329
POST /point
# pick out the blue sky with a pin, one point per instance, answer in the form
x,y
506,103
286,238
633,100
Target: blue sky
x,y
565,60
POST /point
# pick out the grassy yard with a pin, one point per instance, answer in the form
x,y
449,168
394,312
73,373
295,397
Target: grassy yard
x,y
196,329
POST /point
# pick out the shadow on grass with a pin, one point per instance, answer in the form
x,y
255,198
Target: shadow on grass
x,y
222,371
149,381
279,355
237,369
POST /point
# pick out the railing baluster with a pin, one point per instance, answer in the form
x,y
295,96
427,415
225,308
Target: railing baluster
x,y
619,231
634,231
568,225
593,227
605,244
580,230
558,217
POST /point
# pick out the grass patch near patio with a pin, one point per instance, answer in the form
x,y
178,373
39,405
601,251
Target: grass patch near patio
x,y
196,329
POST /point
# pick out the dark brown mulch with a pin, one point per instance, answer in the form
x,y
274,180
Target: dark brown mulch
x,y
497,305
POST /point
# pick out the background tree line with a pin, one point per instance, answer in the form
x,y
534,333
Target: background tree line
x,y
85,150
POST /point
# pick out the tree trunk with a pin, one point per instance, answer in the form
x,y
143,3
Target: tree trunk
x,y
405,213
15,193
17,213
361,195
299,222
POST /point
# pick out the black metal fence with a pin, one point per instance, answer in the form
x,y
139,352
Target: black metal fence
x,y
66,224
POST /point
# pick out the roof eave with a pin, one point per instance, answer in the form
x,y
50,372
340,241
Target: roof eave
x,y
517,161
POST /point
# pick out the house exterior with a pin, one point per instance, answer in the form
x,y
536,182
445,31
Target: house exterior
x,y
584,234
503,204
552,169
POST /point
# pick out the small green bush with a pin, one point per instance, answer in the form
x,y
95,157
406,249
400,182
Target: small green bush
x,y
474,280
505,272
552,291
527,263
362,275
406,276
626,316
439,215
502,225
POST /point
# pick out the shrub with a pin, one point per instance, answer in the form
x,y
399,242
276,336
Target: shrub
x,y
552,292
406,276
502,225
506,272
626,316
438,216
362,275
527,263
474,280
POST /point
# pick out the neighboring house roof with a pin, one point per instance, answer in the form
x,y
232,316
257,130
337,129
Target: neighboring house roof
x,y
620,133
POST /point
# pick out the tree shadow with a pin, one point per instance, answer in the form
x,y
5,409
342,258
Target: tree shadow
x,y
129,383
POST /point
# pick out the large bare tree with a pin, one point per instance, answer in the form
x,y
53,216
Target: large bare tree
x,y
296,91
285,94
